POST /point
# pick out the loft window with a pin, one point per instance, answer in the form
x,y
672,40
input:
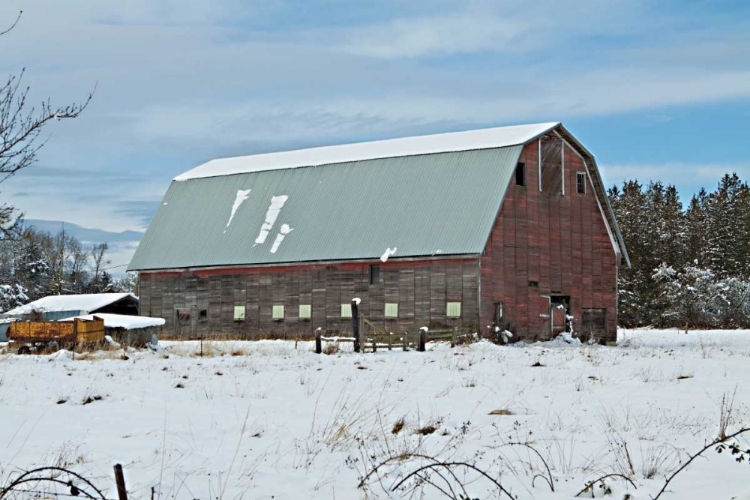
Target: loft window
x,y
552,165
305,311
391,310
521,174
374,275
346,310
453,310
581,182
277,313
239,313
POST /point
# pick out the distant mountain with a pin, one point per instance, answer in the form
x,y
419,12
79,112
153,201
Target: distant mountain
x,y
85,234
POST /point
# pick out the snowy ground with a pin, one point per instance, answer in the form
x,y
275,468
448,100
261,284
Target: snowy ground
x,y
269,420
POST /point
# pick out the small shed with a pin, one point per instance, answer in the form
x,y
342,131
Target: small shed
x,y
4,324
136,331
56,307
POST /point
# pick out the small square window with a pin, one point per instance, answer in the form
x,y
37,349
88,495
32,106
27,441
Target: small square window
x,y
305,311
346,310
581,182
521,174
391,310
278,312
453,309
239,313
374,275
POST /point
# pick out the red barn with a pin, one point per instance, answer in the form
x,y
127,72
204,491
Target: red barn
x,y
506,227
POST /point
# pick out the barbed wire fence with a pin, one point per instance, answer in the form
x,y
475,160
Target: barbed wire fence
x,y
59,482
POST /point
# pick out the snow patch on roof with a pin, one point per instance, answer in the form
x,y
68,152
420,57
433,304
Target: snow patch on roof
x,y
388,252
277,203
489,138
122,321
241,196
83,302
285,229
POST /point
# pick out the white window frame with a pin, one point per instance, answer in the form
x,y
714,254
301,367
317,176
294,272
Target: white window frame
x,y
579,175
277,312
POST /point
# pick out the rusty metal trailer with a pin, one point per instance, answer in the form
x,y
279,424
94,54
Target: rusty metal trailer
x,y
39,335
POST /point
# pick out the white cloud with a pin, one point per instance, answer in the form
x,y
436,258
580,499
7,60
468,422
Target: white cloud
x,y
434,36
686,177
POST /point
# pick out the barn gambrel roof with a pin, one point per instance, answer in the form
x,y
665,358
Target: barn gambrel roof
x,y
417,197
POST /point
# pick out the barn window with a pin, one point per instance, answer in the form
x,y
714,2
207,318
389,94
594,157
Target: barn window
x,y
581,182
305,311
552,166
521,174
239,313
391,310
374,275
346,310
278,312
453,310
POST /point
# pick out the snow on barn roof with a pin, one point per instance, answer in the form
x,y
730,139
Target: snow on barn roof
x,y
121,320
83,302
498,137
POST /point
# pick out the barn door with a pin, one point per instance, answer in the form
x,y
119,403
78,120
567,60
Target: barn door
x,y
544,317
558,319
560,307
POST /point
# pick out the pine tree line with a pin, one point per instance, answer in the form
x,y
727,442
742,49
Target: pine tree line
x,y
37,264
690,266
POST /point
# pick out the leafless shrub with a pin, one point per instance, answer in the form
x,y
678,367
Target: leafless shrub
x,y
726,413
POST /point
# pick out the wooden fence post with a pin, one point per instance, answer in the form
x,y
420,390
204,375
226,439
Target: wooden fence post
x,y
122,493
355,323
422,339
318,341
390,340
453,338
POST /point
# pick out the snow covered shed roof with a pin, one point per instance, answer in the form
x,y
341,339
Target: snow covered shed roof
x,y
121,320
84,302
413,197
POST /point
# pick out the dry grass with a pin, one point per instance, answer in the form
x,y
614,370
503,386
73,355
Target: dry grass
x,y
426,430
501,411
90,398
331,348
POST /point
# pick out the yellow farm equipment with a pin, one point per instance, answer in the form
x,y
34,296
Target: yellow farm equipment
x,y
40,335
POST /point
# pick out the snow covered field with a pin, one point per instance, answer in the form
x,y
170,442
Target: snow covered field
x,y
267,420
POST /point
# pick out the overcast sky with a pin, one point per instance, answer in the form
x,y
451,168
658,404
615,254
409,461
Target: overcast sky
x,y
657,90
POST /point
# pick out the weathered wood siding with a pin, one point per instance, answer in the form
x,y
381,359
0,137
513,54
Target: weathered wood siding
x,y
546,243
420,288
